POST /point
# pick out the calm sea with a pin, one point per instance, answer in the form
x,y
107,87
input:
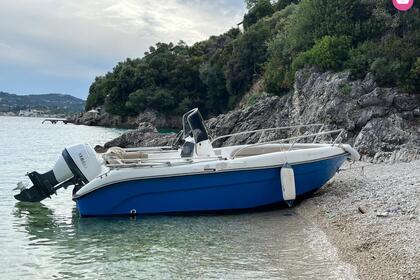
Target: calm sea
x,y
49,240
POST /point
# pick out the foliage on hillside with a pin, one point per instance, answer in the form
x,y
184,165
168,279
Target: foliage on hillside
x,y
360,35
52,102
278,39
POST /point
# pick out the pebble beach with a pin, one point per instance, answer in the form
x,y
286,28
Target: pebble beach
x,y
370,214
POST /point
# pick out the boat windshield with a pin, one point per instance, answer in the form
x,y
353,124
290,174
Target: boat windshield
x,y
193,125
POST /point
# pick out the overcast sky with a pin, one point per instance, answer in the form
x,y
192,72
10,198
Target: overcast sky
x,y
61,45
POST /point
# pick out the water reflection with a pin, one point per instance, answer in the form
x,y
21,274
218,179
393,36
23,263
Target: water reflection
x,y
268,244
41,225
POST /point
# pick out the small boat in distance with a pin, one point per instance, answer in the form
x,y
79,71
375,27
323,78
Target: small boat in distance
x,y
193,175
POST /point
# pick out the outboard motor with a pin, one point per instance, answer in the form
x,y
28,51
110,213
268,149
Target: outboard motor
x,y
77,165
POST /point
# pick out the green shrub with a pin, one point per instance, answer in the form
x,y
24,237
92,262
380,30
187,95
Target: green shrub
x,y
413,81
360,59
278,77
318,18
329,53
387,71
391,61
253,99
345,89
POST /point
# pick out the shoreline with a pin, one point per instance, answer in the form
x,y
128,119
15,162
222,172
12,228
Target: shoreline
x,y
370,215
369,212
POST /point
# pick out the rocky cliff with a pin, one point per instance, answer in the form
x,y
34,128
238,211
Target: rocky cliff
x,y
382,123
102,118
146,135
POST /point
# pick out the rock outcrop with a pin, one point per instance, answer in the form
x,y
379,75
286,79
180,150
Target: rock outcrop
x,y
146,135
159,120
102,118
382,123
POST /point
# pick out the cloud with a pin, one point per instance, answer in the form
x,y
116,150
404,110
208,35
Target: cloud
x,y
80,39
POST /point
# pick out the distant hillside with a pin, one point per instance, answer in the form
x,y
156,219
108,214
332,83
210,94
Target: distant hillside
x,y
52,103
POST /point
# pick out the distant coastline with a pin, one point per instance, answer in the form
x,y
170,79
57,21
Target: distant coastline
x,y
40,105
32,114
44,116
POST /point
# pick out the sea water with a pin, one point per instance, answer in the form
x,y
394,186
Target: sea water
x,y
49,240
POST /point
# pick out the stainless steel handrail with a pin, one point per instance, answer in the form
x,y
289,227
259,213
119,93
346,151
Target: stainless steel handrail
x,y
186,159
159,162
267,129
166,161
339,131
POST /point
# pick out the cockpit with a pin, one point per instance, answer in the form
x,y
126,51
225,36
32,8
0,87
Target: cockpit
x,y
195,135
193,126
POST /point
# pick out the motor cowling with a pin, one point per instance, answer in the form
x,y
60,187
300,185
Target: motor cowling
x,y
77,165
82,161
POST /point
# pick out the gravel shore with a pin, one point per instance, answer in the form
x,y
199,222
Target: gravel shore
x,y
370,213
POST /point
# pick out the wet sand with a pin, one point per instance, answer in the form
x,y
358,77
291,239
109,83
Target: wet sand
x,y
371,215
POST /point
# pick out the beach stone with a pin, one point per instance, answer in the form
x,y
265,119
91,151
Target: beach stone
x,y
362,209
393,209
382,214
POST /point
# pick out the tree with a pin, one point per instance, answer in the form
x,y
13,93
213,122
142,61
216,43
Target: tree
x,y
259,10
248,56
97,93
278,77
281,4
331,18
250,3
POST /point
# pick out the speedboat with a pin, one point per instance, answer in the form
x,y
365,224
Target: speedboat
x,y
193,175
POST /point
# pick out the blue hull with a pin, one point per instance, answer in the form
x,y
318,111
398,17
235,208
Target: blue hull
x,y
233,190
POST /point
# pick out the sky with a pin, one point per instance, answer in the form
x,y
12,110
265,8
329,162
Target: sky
x,y
60,46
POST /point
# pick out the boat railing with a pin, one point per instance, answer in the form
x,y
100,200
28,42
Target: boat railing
x,y
158,149
292,141
160,162
295,139
265,130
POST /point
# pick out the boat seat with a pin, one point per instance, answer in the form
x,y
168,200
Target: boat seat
x,y
258,150
117,155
